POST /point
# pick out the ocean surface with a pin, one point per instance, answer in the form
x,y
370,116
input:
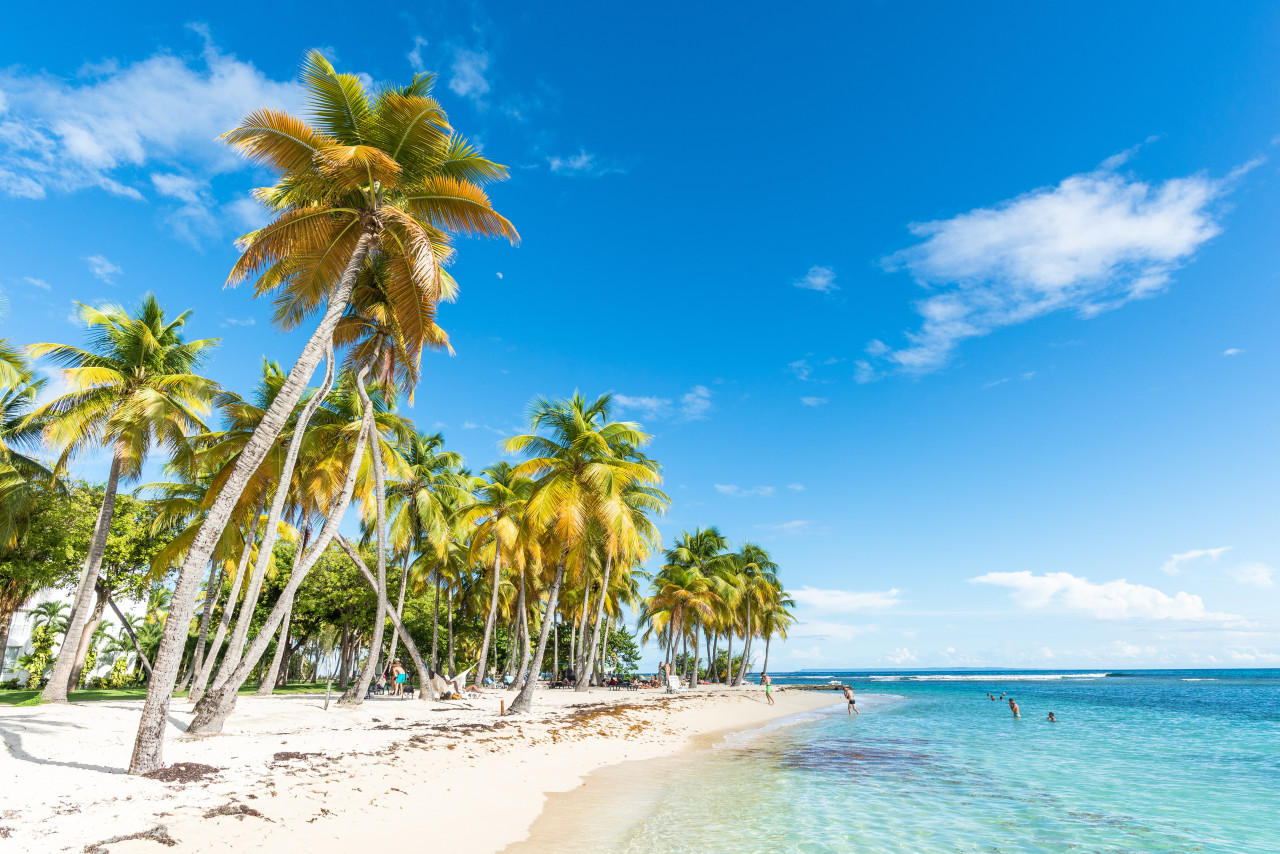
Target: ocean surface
x,y
1139,761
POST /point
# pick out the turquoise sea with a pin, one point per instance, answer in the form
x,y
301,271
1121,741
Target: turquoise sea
x,y
1140,761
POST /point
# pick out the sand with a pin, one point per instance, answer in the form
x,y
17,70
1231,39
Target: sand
x,y
292,776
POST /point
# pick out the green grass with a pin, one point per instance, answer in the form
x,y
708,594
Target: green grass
x,y
32,698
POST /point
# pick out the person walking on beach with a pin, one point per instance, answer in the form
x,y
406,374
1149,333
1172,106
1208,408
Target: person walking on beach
x,y
768,687
398,673
848,695
1013,707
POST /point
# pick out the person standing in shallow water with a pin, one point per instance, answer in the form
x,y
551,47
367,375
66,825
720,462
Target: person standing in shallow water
x,y
1013,707
848,695
768,687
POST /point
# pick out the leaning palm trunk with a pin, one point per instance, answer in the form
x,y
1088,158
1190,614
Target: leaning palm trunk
x,y
404,581
137,647
593,648
265,551
746,646
424,675
268,683
214,707
56,690
206,666
453,668
86,637
482,667
380,503
435,629
212,589
765,668
148,748
523,673
524,700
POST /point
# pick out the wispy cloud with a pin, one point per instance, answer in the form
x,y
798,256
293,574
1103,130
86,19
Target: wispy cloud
x,y
845,601
901,656
796,487
822,279
1173,565
468,75
235,321
801,368
583,164
415,55
696,403
1112,600
1233,351
1091,243
1255,575
94,130
794,528
103,269
734,491
646,406
38,283
813,401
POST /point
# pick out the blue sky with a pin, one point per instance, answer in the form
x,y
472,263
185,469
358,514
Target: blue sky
x,y
966,313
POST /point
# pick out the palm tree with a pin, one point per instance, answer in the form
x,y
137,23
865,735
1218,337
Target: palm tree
x,y
497,514
775,620
581,467
374,177
758,580
20,438
133,387
703,553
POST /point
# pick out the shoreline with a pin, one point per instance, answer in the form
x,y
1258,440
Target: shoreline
x,y
288,775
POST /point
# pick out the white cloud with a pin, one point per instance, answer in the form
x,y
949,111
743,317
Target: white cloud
x,y
248,212
738,492
499,275
38,283
801,368
813,401
821,279
1233,351
1173,565
470,425
95,130
181,187
1255,575
468,80
583,164
647,406
1113,600
1092,243
796,487
1251,655
103,269
696,403
845,601
829,631
951,650
900,656
234,321
415,55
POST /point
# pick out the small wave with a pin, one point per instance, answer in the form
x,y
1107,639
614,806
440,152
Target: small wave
x,y
985,677
1202,679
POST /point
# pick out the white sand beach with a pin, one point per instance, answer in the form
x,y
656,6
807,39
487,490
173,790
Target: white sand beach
x,y
292,776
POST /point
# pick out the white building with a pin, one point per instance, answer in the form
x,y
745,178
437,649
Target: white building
x,y
19,643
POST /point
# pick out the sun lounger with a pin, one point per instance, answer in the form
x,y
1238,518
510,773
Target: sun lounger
x,y
674,684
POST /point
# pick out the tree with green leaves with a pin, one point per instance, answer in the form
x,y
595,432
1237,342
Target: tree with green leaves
x,y
134,387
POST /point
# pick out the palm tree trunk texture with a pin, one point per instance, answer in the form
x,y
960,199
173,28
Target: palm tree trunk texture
x,y
523,673
272,530
728,678
137,647
380,504
212,589
595,634
435,628
604,652
765,668
56,690
424,684
217,704
86,637
228,610
746,645
148,748
404,581
453,667
268,683
482,668
524,700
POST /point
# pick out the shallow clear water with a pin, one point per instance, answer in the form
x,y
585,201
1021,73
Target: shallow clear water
x,y
1156,761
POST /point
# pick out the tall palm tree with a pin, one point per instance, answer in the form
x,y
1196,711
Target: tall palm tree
x,y
774,621
498,515
20,440
758,580
133,387
372,177
704,553
581,466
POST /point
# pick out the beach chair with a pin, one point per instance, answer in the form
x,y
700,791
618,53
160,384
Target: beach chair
x,y
674,684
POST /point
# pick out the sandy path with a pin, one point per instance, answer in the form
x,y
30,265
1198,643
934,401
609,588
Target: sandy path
x,y
294,777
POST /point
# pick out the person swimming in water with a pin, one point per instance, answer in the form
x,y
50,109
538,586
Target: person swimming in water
x,y
848,695
1052,719
1013,707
